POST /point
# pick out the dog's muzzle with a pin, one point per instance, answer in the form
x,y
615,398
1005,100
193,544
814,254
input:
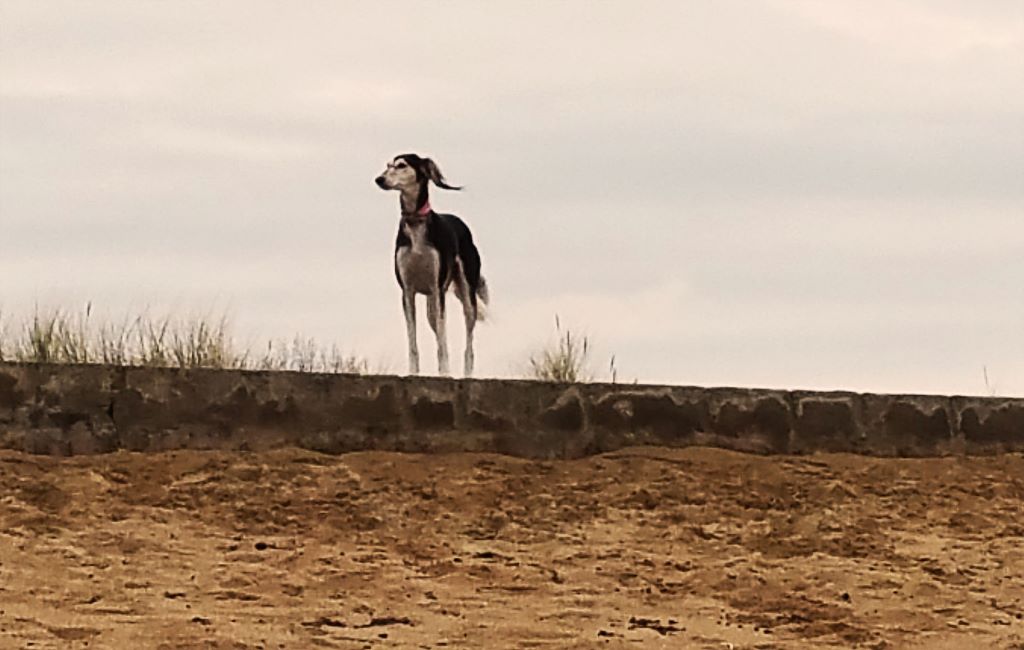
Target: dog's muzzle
x,y
381,183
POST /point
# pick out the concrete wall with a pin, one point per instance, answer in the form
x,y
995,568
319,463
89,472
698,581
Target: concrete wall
x,y
63,410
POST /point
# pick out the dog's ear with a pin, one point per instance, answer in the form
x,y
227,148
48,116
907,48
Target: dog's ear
x,y
434,173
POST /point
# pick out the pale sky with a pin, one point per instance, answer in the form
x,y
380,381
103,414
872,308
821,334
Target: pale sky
x,y
794,194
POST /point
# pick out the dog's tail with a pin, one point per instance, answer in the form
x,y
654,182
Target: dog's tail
x,y
483,299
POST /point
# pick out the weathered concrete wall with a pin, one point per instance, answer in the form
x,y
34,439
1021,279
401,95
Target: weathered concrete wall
x,y
64,410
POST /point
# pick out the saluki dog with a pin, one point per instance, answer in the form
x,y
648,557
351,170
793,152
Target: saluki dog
x,y
432,252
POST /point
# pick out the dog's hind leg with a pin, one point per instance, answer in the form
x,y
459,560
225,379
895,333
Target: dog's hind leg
x,y
409,307
435,314
470,314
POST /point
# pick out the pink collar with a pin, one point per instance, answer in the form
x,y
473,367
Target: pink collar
x,y
420,216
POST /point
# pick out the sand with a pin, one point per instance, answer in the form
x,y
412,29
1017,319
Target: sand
x,y
643,548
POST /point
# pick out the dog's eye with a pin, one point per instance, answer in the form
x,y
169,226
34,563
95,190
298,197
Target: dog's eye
x,y
401,165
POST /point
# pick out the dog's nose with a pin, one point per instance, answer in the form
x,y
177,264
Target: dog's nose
x,y
381,183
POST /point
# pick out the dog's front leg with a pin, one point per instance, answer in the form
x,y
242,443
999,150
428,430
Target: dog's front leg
x,y
435,314
409,306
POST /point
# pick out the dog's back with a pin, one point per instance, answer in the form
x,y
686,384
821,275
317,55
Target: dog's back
x,y
468,255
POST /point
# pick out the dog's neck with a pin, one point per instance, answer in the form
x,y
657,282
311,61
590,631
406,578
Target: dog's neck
x,y
415,206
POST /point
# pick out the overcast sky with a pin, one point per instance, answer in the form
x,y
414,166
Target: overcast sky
x,y
740,192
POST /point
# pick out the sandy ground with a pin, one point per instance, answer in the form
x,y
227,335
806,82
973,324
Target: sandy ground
x,y
645,548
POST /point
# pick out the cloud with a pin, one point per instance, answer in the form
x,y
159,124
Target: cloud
x,y
920,29
241,147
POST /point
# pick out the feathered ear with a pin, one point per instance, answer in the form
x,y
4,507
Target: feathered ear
x,y
434,174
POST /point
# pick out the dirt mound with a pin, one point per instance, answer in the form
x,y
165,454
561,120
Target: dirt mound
x,y
652,548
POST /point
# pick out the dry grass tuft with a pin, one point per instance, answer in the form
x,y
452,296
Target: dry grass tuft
x,y
565,362
59,336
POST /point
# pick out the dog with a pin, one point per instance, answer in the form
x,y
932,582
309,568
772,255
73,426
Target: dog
x,y
433,252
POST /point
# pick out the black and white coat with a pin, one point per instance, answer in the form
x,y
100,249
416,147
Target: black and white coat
x,y
433,252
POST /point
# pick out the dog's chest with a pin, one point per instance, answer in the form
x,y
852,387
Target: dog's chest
x,y
418,263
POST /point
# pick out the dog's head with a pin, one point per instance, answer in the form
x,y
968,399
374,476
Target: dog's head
x,y
409,171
